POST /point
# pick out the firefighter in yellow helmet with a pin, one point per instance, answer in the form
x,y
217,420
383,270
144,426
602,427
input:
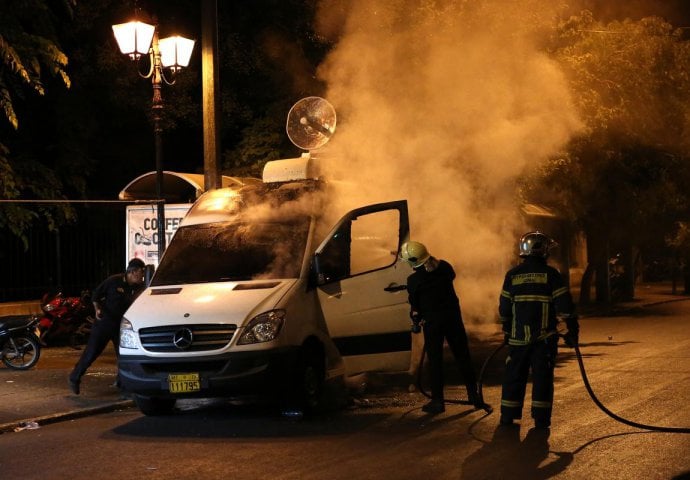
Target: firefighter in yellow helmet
x,y
533,294
435,305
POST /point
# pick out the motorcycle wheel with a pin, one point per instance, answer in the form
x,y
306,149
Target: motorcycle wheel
x,y
21,352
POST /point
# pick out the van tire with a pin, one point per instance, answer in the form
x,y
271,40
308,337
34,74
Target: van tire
x,y
307,389
154,406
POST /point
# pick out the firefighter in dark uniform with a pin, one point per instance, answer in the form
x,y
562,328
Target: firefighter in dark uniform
x,y
111,299
436,307
533,294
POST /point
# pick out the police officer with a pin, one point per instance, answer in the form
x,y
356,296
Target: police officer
x,y
435,305
533,294
111,299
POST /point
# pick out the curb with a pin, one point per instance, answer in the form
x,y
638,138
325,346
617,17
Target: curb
x,y
626,309
69,415
670,300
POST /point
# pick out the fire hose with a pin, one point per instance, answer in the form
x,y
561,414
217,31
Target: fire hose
x,y
608,412
485,406
583,373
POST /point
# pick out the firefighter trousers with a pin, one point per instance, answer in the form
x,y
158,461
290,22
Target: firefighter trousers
x,y
539,358
448,327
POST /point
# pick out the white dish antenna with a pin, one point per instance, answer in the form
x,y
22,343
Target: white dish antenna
x,y
311,123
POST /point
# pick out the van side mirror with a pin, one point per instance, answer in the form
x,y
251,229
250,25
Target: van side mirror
x,y
316,277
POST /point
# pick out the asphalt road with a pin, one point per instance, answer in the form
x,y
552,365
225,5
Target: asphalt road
x,y
638,365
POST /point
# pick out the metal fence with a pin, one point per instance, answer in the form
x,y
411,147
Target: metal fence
x,y
71,259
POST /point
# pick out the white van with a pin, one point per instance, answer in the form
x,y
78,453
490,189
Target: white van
x,y
255,296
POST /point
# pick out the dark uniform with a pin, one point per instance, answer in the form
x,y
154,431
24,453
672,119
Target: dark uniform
x,y
114,296
533,293
432,295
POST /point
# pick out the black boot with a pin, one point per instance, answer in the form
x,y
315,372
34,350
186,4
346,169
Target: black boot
x,y
474,399
434,407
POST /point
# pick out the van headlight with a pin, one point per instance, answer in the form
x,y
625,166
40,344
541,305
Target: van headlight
x,y
263,328
128,339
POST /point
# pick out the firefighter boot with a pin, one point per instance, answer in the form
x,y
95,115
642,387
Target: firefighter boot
x,y
434,407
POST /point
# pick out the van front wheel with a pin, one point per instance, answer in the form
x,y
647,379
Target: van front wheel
x,y
308,388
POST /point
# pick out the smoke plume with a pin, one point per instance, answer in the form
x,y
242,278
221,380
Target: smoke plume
x,y
445,103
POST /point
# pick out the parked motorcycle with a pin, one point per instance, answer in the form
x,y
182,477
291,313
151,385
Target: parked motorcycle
x,y
18,343
66,320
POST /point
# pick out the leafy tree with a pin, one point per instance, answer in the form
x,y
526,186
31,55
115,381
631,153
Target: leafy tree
x,y
268,54
32,62
623,179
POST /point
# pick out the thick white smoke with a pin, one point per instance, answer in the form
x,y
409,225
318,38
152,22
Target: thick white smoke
x,y
445,103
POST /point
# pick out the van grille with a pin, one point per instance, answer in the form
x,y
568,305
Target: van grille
x,y
186,338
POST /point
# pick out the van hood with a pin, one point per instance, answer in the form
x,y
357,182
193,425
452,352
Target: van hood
x,y
223,302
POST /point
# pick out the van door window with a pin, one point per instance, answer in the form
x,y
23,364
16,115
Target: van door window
x,y
334,260
374,241
362,244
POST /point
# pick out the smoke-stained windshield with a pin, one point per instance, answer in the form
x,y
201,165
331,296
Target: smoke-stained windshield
x,y
232,251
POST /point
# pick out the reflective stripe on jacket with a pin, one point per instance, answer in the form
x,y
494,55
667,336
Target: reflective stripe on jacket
x,y
532,294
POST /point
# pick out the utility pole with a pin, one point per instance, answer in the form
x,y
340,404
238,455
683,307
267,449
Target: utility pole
x,y
210,91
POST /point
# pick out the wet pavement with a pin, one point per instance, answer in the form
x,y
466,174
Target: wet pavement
x,y
41,395
29,399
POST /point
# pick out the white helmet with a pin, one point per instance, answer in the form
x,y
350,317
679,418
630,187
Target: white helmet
x,y
414,253
536,244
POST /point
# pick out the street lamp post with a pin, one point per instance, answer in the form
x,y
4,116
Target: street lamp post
x,y
138,39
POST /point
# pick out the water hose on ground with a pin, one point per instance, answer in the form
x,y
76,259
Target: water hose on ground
x,y
608,412
591,393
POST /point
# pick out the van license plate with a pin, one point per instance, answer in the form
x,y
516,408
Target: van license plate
x,y
183,382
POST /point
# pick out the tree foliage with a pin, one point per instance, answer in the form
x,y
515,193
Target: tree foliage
x,y
269,54
31,60
623,179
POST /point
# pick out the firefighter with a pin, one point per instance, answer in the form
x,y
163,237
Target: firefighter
x,y
533,294
436,307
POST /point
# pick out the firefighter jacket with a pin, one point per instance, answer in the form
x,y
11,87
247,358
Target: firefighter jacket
x,y
432,293
533,294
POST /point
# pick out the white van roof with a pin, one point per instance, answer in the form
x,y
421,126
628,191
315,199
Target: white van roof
x,y
290,169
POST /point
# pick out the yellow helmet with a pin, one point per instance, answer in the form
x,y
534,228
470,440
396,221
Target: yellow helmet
x,y
414,253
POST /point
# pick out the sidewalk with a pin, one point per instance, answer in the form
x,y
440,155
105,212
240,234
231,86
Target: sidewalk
x,y
41,395
646,295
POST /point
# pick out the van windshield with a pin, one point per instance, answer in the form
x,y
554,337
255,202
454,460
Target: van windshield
x,y
234,251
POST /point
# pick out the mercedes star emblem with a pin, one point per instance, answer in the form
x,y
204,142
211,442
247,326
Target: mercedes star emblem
x,y
183,338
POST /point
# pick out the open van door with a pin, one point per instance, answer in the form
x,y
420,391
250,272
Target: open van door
x,y
361,288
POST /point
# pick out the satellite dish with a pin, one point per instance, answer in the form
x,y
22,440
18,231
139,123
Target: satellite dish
x,y
311,123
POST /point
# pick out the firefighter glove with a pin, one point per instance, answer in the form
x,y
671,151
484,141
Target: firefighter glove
x,y
416,322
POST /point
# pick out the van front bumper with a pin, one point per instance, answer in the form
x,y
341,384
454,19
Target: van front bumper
x,y
265,372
